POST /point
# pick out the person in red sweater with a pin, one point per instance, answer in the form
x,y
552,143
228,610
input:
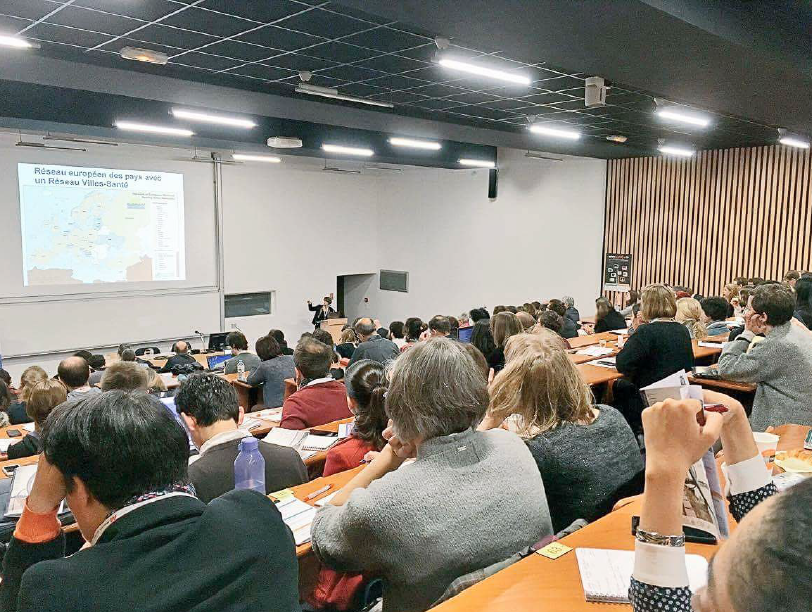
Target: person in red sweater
x,y
320,399
366,388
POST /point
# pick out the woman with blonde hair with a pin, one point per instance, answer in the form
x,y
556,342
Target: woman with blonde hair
x,y
587,454
31,377
657,349
42,398
347,343
503,326
689,313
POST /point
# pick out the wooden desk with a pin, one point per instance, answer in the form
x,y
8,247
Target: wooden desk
x,y
582,341
331,428
160,360
705,352
723,385
22,461
247,396
597,375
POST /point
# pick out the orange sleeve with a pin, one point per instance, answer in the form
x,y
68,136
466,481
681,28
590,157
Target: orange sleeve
x,y
36,528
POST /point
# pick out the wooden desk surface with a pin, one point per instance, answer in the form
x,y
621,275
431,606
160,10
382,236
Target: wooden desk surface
x,y
597,375
589,340
702,352
723,385
331,428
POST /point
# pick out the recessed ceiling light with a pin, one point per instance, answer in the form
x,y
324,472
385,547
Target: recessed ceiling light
x,y
794,141
555,132
14,42
415,144
152,129
680,116
209,118
678,151
144,55
501,75
270,159
476,163
332,148
617,138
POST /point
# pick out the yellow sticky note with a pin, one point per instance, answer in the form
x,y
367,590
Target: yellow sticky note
x,y
553,550
281,496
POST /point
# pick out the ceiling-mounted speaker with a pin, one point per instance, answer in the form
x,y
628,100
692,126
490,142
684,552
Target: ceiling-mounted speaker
x,y
493,183
595,92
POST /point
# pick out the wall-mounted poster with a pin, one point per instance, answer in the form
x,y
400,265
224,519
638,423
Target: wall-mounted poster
x,y
617,272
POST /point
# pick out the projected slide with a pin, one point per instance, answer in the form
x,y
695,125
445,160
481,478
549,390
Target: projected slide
x,y
100,225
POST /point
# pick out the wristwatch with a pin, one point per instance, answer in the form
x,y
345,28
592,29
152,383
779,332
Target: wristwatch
x,y
652,537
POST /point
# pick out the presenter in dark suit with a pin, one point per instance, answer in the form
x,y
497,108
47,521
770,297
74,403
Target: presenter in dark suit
x,y
323,311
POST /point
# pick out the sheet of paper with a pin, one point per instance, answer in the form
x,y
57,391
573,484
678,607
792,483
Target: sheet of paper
x,y
596,351
28,427
6,442
285,437
325,500
318,443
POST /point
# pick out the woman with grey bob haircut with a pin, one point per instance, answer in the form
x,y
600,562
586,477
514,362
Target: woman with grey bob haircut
x,y
423,525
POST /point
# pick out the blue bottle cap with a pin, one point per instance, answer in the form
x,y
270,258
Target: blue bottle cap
x,y
249,444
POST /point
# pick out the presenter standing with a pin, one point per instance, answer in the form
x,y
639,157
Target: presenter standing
x,y
323,311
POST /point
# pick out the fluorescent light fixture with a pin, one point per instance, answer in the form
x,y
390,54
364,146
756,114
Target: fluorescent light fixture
x,y
476,163
555,132
491,73
678,151
152,129
16,43
144,55
415,144
673,114
332,148
208,118
794,141
270,159
332,93
617,138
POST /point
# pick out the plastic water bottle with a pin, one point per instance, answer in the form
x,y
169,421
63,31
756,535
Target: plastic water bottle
x,y
240,370
249,466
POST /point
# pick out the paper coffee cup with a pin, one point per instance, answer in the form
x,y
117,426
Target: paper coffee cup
x,y
767,445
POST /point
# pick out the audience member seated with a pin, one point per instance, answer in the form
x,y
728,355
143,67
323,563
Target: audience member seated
x,y
212,414
86,355
239,348
43,398
587,455
503,326
482,338
180,358
31,377
570,311
569,329
6,399
396,334
155,385
121,461
125,376
714,314
764,565
655,350
781,364
279,336
365,384
97,365
791,278
346,346
477,314
127,355
632,298
637,318
412,329
554,322
439,326
320,399
735,303
371,345
803,301
272,371
6,378
526,319
323,336
478,494
454,334
74,374
606,317
689,313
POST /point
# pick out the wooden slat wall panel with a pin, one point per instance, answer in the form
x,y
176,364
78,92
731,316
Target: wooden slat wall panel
x,y
703,221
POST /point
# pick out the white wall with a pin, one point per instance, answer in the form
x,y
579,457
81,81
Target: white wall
x,y
540,239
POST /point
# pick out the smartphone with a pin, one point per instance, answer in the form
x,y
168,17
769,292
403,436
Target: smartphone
x,y
808,440
8,470
13,433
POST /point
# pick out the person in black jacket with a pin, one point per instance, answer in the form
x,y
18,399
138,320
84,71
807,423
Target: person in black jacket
x,y
181,357
121,460
606,317
803,300
657,349
43,398
323,311
569,328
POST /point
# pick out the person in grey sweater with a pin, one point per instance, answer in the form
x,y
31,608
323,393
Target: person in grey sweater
x,y
780,364
272,371
587,455
372,346
470,498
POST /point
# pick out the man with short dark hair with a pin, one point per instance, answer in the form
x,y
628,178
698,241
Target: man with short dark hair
x,y
74,374
439,326
320,399
121,460
714,315
97,365
180,358
371,345
239,348
208,405
125,376
781,363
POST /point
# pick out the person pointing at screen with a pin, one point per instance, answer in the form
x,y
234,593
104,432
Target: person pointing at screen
x,y
323,311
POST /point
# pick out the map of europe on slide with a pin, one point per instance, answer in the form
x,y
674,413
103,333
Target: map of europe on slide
x,y
77,230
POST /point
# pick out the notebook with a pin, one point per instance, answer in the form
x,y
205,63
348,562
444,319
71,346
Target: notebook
x,y
318,443
286,437
298,516
607,574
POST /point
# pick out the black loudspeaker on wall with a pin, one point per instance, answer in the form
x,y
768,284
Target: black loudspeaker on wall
x,y
493,183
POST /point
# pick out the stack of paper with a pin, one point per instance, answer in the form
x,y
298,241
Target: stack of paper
x,y
6,442
596,351
299,517
675,386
